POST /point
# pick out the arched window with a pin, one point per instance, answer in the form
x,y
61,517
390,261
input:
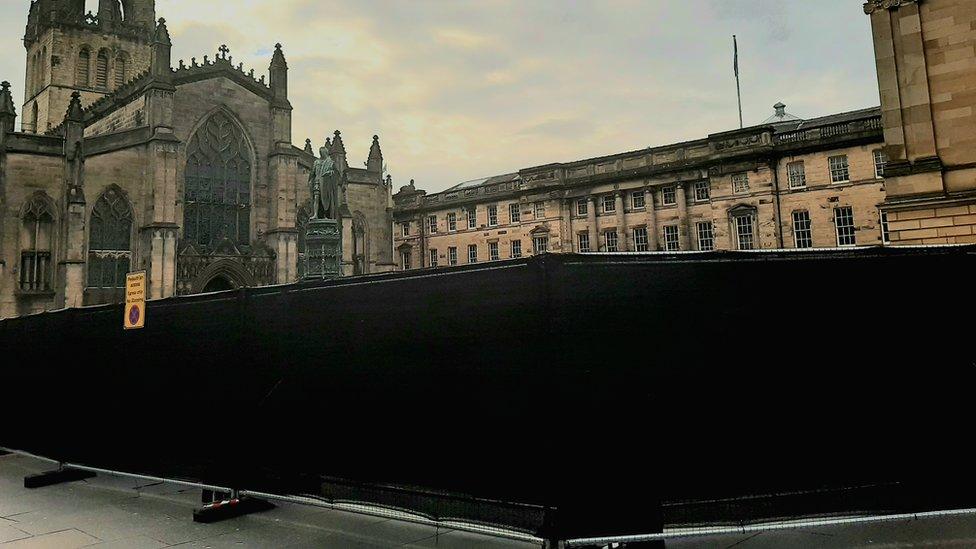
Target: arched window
x,y
109,249
121,69
218,184
82,68
36,231
42,73
359,251
33,119
101,70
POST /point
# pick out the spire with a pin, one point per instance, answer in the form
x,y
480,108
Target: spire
x,y
6,100
8,114
337,146
161,50
339,152
279,73
75,112
375,161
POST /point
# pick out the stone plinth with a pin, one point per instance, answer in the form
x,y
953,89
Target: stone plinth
x,y
323,249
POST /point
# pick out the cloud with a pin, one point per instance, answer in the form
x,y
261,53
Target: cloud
x,y
470,88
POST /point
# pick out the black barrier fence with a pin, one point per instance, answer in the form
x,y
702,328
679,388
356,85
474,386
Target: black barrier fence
x,y
562,396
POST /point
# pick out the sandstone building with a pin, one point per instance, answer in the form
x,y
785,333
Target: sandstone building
x,y
926,60
787,183
124,161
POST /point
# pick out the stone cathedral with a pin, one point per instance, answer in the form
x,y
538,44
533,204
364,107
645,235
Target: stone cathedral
x,y
126,161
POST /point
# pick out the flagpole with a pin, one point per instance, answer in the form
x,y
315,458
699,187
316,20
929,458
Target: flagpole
x,y
738,88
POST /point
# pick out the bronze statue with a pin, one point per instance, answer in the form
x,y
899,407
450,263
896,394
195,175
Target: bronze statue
x,y
324,184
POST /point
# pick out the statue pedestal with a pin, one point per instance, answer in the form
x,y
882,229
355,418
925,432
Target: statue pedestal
x,y
323,249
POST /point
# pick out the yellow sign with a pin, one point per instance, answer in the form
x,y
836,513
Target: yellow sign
x,y
135,300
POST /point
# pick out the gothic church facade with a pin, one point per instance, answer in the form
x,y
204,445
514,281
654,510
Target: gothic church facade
x,y
124,162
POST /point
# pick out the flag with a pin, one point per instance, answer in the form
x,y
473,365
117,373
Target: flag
x,y
735,46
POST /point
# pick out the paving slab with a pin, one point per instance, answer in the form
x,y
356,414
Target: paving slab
x,y
112,512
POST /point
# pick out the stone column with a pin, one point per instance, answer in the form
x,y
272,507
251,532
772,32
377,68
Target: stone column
x,y
684,220
74,259
566,225
622,238
591,223
652,241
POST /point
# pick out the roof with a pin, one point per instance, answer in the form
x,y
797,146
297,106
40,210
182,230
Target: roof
x,y
484,181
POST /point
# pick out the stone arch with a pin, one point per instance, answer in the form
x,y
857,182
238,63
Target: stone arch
x,y
230,271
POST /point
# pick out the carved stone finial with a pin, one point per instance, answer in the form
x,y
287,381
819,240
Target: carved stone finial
x,y
872,6
194,61
206,60
75,112
6,100
222,51
182,64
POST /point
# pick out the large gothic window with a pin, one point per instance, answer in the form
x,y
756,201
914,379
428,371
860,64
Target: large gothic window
x,y
218,184
109,250
36,235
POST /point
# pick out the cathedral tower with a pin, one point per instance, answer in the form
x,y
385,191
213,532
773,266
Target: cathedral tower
x,y
94,54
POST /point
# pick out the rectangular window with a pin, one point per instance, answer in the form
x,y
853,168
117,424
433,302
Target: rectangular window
x,y
540,210
640,240
433,258
839,171
514,213
432,224
452,257
703,191
802,230
582,207
844,224
405,229
880,161
706,236
472,218
493,254
610,239
669,196
452,221
541,244
797,173
583,242
405,262
516,249
740,183
637,200
885,232
609,203
472,253
493,215
745,239
671,241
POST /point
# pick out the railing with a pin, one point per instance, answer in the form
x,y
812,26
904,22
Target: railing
x,y
831,130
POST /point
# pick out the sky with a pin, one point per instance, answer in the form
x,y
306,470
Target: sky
x,y
463,89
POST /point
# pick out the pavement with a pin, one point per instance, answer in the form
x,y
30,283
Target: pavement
x,y
110,512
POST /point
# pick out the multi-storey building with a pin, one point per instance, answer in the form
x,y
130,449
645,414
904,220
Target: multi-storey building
x,y
926,59
787,183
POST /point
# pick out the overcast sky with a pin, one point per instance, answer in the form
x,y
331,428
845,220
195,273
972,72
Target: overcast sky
x,y
461,89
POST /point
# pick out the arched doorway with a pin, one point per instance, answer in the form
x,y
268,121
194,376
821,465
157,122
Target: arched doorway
x,y
218,284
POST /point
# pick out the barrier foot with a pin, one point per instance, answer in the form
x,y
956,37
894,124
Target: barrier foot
x,y
61,476
233,508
